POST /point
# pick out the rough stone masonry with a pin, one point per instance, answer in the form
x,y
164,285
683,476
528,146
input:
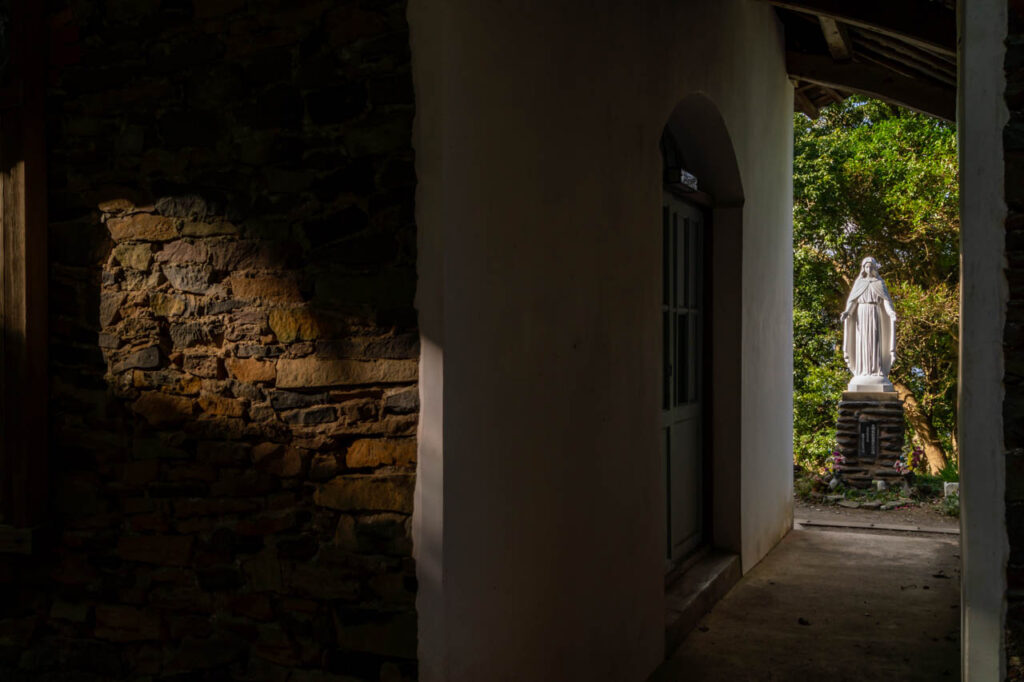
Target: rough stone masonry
x,y
870,437
233,347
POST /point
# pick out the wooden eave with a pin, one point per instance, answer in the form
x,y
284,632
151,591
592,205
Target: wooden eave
x,y
902,52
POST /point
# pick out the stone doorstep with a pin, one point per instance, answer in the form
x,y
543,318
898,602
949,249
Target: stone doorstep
x,y
809,523
695,591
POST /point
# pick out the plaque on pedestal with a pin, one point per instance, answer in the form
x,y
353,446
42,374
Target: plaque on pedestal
x,y
870,437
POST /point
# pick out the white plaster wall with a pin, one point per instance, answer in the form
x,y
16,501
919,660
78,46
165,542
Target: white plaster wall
x,y
981,116
539,523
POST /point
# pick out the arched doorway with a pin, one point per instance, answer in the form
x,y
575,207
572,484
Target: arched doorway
x,y
701,265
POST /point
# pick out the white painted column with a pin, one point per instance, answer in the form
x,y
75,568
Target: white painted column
x,y
981,116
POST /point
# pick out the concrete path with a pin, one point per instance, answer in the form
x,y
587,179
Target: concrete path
x,y
834,605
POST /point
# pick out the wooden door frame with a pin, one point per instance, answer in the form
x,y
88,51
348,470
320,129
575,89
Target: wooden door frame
x,y
24,385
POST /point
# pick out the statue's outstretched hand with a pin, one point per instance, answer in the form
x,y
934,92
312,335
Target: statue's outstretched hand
x,y
842,318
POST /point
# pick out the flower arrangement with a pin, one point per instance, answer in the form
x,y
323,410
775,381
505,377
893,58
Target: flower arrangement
x,y
908,464
835,462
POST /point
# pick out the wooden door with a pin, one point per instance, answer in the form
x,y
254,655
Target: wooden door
x,y
683,226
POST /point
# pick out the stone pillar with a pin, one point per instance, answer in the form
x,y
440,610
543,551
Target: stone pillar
x,y
870,437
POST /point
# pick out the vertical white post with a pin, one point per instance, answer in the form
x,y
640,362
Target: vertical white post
x,y
981,115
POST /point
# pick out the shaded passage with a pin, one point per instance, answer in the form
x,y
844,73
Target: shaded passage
x,y
837,606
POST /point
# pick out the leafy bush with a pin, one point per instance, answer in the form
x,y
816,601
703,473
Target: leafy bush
x,y
951,506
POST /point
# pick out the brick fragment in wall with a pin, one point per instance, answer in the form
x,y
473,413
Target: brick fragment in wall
x,y
247,325
294,324
192,278
167,380
189,334
405,401
250,369
252,350
221,406
248,391
323,466
311,416
161,409
315,372
367,493
205,366
134,280
133,256
183,251
110,307
142,227
188,205
387,425
290,400
300,349
212,228
166,305
395,347
358,411
219,307
232,254
144,358
270,288
108,341
376,452
277,459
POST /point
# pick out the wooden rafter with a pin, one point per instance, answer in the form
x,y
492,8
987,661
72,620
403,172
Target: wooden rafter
x,y
874,81
907,64
923,61
803,103
837,37
920,22
832,94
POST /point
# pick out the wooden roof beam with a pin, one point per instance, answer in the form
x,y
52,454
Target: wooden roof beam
x,y
874,81
920,22
928,61
836,97
803,103
838,39
908,62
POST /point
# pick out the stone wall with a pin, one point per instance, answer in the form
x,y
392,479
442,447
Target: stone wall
x,y
885,412
1013,340
233,347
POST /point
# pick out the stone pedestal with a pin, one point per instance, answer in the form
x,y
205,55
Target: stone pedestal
x,y
870,437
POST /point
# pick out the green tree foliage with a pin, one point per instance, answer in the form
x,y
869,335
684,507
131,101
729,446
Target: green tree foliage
x,y
871,179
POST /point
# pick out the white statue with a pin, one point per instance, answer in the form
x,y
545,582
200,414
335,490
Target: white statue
x,y
869,331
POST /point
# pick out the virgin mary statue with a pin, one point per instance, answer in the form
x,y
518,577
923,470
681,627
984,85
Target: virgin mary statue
x,y
869,331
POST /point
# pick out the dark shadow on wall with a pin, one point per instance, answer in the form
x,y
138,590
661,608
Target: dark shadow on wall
x,y
234,349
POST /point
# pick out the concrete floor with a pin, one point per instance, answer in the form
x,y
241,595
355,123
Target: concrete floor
x,y
834,605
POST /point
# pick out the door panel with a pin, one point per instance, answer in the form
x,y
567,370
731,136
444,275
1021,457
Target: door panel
x,y
685,472
682,328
